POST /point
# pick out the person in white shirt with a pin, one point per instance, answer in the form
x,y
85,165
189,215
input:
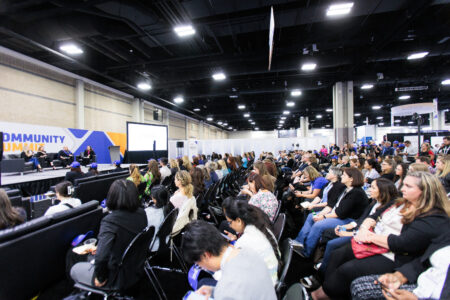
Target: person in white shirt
x,y
408,151
184,200
164,170
64,190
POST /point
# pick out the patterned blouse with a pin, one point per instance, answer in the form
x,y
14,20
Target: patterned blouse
x,y
266,201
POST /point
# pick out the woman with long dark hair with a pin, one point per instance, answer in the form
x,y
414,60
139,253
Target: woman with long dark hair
x,y
9,216
256,232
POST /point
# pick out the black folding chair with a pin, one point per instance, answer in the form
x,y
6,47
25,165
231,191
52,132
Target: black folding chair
x,y
138,250
278,226
286,256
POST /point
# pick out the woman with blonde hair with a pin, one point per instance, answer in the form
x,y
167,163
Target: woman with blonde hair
x,y
418,218
443,171
418,167
224,167
174,167
317,183
184,200
186,163
135,175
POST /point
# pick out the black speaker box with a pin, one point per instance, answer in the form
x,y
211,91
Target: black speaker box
x,y
180,144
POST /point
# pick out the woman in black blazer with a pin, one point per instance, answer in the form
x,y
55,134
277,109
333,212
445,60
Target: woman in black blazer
x,y
125,221
424,214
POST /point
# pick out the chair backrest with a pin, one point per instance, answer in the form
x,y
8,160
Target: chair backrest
x,y
286,257
168,180
134,257
165,230
277,212
296,292
278,226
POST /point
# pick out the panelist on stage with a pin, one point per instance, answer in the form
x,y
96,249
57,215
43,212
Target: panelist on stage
x,y
88,156
27,155
66,156
42,156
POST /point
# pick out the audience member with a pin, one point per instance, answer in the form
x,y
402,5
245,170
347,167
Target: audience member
x,y
118,167
164,170
184,200
157,211
74,173
152,176
93,170
9,216
64,191
443,171
261,196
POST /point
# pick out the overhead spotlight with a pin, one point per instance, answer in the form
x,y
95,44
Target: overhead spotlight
x,y
296,93
256,128
318,116
283,118
286,112
178,99
209,119
366,86
308,66
380,117
184,30
404,97
220,122
290,104
281,121
397,121
339,9
381,124
241,106
418,55
253,123
445,82
376,107
219,76
246,115
71,49
410,122
357,115
250,120
327,125
144,86
329,110
196,109
230,127
233,96
225,124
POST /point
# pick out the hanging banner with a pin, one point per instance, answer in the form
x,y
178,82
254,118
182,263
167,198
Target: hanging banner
x,y
17,135
410,109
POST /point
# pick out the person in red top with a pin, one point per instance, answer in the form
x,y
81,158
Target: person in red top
x,y
425,150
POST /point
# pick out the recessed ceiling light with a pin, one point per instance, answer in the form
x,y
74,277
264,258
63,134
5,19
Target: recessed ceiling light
x,y
308,66
410,122
381,124
286,112
209,119
339,9
366,86
290,104
328,125
380,117
329,109
397,121
230,127
219,76
375,107
241,106
71,49
196,109
233,96
404,97
283,118
319,116
357,115
178,99
144,86
296,93
445,82
281,121
418,55
184,30
225,124
253,123
220,122
256,128
246,115
250,120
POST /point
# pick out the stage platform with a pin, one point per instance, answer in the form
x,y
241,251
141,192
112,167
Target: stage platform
x,y
35,183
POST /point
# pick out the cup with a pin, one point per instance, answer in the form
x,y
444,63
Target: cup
x,y
91,242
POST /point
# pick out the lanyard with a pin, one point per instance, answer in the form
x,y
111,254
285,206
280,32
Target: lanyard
x,y
225,256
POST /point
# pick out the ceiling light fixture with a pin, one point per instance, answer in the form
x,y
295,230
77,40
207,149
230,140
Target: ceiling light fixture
x,y
404,97
283,118
381,124
220,122
209,119
184,30
339,9
379,118
397,121
418,55
357,115
410,122
286,112
296,93
366,86
71,49
230,127
290,104
319,117
445,82
196,109
308,66
329,110
144,86
256,128
225,124
241,106
178,99
376,107
246,115
233,96
219,76
281,121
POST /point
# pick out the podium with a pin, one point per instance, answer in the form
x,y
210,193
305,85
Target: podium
x,y
114,153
